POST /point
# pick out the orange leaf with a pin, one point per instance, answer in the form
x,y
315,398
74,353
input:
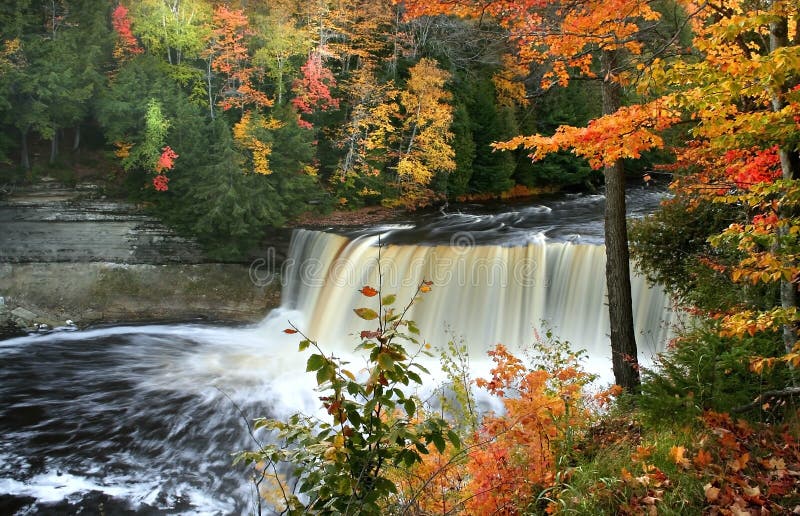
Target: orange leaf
x,y
642,453
703,459
740,462
290,331
626,476
369,291
676,453
425,288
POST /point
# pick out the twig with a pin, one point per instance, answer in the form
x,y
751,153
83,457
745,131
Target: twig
x,y
779,393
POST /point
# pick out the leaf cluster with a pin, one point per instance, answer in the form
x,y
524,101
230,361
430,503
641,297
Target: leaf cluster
x,y
341,462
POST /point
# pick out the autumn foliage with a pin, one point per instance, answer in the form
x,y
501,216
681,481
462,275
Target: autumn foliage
x,y
230,58
520,452
165,162
126,44
313,88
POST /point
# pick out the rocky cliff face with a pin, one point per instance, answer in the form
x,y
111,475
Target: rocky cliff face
x,y
51,223
68,254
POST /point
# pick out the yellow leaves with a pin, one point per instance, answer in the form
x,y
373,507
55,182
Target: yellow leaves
x,y
261,152
240,128
245,132
427,117
758,364
123,149
416,171
750,322
10,47
678,455
508,82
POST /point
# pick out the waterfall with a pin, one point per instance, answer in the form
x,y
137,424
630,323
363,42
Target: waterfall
x,y
148,416
486,294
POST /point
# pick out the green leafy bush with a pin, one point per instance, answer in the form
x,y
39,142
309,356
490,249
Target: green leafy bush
x,y
703,371
341,464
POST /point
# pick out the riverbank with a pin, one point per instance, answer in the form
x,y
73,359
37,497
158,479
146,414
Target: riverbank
x,y
71,256
83,294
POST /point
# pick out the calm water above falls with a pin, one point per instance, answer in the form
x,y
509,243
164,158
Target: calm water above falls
x,y
144,419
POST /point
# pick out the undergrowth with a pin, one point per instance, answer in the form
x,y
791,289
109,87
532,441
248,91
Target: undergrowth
x,y
557,446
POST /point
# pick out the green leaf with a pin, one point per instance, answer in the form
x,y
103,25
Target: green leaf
x,y
315,362
366,313
388,300
414,377
439,442
385,361
387,402
410,407
354,388
326,373
304,344
454,438
366,345
420,367
412,327
384,484
409,457
354,417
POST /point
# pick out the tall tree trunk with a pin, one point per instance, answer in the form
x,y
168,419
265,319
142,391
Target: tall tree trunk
x,y
24,155
210,96
54,147
624,355
778,38
279,101
76,140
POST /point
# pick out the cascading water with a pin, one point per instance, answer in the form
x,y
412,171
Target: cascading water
x,y
485,293
144,419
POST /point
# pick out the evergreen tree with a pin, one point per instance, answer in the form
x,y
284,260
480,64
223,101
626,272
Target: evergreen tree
x,y
457,181
492,171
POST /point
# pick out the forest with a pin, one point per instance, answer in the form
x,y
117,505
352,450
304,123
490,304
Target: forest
x,y
300,108
227,118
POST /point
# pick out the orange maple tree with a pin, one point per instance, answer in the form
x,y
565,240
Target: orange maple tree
x,y
743,101
230,58
595,39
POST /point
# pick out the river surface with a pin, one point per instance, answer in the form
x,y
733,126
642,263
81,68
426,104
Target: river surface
x,y
568,217
145,419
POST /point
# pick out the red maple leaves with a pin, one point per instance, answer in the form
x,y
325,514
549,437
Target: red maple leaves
x,y
313,89
127,43
165,162
747,167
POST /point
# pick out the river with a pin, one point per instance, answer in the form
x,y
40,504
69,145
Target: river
x,y
145,419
